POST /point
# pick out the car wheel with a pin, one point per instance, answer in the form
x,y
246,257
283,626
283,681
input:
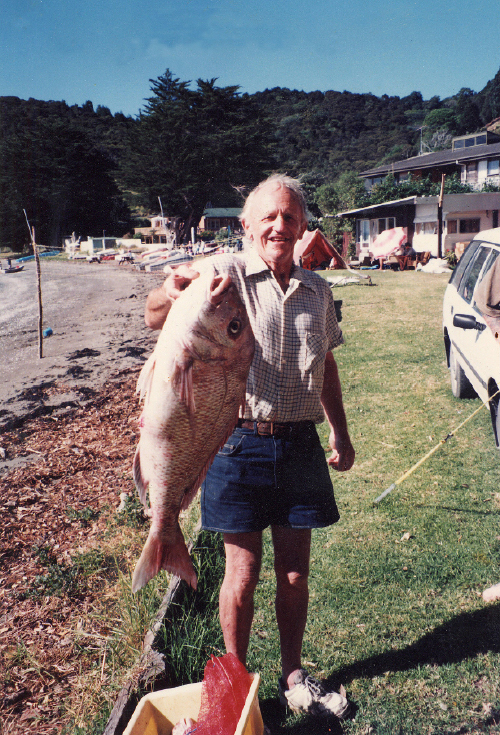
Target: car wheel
x,y
460,384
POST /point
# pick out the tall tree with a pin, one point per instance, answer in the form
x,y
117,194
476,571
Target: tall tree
x,y
192,146
489,99
467,112
50,168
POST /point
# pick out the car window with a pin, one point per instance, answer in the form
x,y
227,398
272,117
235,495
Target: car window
x,y
487,266
468,282
464,261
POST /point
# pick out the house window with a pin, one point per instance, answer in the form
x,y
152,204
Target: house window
x,y
469,225
493,168
471,173
363,232
494,218
452,227
386,223
430,228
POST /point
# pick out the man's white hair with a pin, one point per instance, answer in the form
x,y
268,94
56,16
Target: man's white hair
x,y
279,181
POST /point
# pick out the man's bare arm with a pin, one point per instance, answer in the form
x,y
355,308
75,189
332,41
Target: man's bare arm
x,y
342,457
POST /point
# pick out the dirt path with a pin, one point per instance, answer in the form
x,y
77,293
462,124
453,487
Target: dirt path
x,y
96,316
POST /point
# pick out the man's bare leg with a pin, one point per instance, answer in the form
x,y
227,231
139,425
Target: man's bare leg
x,y
243,559
291,562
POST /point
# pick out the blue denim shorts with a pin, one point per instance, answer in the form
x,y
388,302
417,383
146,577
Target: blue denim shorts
x,y
260,481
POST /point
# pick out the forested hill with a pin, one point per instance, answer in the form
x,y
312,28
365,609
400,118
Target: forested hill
x,y
75,167
326,133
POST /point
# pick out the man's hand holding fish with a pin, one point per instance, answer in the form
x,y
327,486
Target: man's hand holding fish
x,y
161,299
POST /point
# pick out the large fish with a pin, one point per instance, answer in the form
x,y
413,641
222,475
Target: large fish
x,y
194,384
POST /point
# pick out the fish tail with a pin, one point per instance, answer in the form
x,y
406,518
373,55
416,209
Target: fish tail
x,y
161,554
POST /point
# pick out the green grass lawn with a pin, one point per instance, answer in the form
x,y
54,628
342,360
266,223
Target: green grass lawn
x,y
395,611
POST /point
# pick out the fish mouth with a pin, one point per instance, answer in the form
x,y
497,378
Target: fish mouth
x,y
219,289
222,290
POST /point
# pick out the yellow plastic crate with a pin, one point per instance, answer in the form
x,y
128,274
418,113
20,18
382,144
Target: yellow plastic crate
x,y
158,712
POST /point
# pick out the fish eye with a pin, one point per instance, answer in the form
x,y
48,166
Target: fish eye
x,y
234,327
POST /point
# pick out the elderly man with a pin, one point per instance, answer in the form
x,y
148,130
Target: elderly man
x,y
272,470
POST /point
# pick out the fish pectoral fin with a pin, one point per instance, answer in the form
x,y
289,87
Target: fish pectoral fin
x,y
146,377
159,553
183,382
190,494
139,480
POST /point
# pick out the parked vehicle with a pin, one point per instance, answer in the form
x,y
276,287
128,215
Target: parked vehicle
x,y
472,350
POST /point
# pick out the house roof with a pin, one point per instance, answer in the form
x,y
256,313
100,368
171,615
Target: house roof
x,y
465,202
438,158
222,212
406,200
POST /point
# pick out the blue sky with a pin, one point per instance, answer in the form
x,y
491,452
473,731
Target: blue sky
x,y
107,50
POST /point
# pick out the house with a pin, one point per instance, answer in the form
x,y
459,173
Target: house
x,y
93,245
163,230
215,218
462,215
475,158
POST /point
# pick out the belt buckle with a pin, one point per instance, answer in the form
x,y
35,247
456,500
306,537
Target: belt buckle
x,y
265,428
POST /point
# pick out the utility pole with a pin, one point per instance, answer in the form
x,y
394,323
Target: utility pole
x,y
440,218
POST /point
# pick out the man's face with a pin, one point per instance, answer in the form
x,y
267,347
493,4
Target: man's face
x,y
275,223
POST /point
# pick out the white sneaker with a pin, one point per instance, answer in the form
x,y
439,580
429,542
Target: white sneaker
x,y
309,696
492,593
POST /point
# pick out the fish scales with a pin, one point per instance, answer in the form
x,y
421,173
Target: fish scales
x,y
193,384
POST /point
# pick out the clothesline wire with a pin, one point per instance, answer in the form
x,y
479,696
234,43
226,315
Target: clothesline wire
x,y
409,472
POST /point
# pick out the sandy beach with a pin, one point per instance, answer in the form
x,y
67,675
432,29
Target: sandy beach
x,y
95,312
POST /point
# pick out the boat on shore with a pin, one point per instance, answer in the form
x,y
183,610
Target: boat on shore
x,y
12,269
158,260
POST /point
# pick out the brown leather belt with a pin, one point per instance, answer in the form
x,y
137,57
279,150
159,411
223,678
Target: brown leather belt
x,y
273,428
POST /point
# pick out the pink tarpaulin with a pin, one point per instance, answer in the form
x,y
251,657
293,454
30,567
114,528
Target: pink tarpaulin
x,y
314,249
388,242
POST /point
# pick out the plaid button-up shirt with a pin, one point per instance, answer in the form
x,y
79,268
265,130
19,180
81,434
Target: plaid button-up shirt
x,y
293,332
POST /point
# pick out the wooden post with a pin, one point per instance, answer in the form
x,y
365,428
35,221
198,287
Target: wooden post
x,y
39,286
39,289
440,218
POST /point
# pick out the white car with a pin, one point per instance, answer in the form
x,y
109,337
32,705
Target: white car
x,y
472,350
